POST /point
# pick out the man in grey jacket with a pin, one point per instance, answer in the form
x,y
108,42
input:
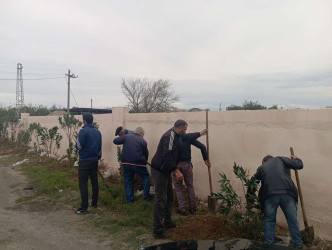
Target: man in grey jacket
x,y
277,189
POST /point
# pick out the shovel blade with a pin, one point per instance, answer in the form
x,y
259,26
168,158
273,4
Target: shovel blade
x,y
211,204
308,235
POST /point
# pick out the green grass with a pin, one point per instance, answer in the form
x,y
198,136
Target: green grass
x,y
49,182
126,221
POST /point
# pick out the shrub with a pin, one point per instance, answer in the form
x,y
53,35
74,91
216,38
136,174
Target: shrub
x,y
243,214
70,125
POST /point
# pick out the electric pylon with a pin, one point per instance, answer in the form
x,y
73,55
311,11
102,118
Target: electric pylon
x,y
19,89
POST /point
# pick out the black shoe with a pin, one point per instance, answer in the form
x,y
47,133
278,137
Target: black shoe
x,y
183,213
160,235
80,211
169,225
92,205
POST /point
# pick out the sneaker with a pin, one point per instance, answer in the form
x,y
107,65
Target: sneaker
x,y
169,225
160,235
179,211
94,206
80,211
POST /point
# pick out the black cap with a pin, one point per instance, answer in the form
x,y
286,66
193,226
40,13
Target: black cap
x,y
117,131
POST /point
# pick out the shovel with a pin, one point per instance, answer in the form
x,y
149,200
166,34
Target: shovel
x,y
106,185
211,201
308,234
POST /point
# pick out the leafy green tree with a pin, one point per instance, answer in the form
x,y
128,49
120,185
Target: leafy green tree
x,y
242,213
275,106
70,126
36,110
23,140
247,105
45,138
250,105
234,107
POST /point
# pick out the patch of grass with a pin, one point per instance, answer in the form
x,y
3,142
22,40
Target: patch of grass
x,y
49,182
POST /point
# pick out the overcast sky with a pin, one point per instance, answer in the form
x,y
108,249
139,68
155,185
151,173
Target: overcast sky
x,y
273,51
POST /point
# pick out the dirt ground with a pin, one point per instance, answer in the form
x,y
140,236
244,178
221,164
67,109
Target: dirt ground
x,y
32,226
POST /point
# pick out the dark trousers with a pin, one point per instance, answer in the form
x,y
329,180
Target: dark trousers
x,y
163,200
88,169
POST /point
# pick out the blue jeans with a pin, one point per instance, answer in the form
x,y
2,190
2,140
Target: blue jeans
x,y
128,174
289,208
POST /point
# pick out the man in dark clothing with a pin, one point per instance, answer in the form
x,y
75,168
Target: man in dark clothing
x,y
133,160
277,189
89,145
120,131
186,168
165,162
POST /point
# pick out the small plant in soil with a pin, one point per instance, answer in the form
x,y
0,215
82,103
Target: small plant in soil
x,y
242,212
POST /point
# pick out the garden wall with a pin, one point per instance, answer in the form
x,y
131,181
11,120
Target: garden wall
x,y
244,137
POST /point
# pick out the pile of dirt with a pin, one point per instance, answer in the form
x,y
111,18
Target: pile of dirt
x,y
201,227
213,227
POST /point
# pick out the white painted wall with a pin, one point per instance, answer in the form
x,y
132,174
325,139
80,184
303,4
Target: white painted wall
x,y
244,137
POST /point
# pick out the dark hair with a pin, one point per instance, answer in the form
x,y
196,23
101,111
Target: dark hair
x,y
88,118
180,123
266,158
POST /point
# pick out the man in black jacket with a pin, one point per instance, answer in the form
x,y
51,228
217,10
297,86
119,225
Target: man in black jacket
x,y
277,189
133,160
186,168
165,162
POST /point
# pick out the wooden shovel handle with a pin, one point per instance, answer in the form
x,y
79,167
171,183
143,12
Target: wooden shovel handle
x,y
300,193
208,148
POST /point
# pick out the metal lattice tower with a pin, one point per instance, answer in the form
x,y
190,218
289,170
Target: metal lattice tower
x,y
19,88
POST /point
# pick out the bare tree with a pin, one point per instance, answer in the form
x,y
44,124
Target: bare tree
x,y
147,96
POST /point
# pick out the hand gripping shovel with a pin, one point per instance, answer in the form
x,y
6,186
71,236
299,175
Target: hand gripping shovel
x,y
308,234
211,201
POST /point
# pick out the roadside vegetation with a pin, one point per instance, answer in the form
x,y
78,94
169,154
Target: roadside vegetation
x,y
57,185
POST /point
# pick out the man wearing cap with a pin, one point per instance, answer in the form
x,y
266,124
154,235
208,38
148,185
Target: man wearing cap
x,y
89,145
165,162
120,131
133,160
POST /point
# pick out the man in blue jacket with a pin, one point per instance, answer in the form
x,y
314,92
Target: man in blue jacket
x,y
133,160
120,131
277,189
89,145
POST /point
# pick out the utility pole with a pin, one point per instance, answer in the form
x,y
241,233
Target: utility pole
x,y
91,106
219,106
19,89
68,94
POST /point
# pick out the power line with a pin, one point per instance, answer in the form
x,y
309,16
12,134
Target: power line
x,y
48,78
73,97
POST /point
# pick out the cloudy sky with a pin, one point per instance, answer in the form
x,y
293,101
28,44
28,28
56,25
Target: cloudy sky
x,y
213,51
